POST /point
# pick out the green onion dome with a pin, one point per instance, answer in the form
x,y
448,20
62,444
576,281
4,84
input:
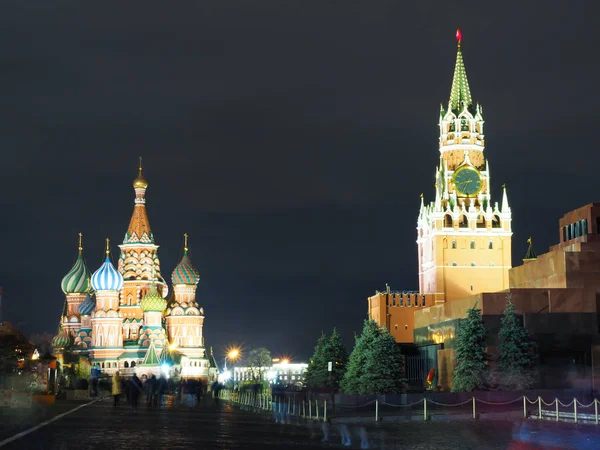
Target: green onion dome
x,y
153,301
76,281
61,340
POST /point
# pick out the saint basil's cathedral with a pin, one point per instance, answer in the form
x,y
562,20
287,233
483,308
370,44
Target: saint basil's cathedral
x,y
125,318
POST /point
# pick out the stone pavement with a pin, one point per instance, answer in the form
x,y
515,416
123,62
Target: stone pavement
x,y
224,426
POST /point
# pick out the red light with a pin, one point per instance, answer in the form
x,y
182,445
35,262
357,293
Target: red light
x,y
458,35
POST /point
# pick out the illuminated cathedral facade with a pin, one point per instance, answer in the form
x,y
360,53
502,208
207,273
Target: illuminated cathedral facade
x,y
126,318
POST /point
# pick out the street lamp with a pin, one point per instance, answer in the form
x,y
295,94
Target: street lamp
x,y
232,355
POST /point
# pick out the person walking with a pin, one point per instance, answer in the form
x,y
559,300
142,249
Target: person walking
x,y
161,387
116,388
149,390
135,389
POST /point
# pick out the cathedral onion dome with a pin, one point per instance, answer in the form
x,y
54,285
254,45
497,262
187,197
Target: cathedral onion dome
x,y
140,182
88,305
153,301
185,273
61,340
76,281
106,278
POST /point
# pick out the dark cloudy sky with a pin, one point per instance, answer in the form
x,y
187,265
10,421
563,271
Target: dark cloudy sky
x,y
290,139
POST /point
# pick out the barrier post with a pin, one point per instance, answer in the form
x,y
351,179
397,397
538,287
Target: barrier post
x,y
524,406
317,408
539,407
575,408
474,415
294,410
376,410
289,404
303,409
309,409
596,410
424,409
557,415
325,411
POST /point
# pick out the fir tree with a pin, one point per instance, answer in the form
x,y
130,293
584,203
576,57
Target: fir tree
x,y
316,373
375,364
384,366
471,369
351,383
515,370
337,355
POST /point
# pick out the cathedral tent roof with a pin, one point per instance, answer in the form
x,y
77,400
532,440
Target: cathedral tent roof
x,y
139,231
213,360
151,358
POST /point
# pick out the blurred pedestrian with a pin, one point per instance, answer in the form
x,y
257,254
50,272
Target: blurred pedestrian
x,y
149,389
116,388
135,389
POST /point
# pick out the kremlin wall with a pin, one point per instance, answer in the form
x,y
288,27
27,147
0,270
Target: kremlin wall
x,y
464,258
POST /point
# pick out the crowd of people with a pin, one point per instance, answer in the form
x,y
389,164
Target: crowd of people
x,y
190,391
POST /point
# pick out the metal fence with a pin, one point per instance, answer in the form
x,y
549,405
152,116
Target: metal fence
x,y
287,407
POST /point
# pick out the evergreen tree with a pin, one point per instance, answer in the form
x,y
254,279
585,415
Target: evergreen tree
x,y
351,383
384,366
316,373
337,355
375,364
471,369
515,370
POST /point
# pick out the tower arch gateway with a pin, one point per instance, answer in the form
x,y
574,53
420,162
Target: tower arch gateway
x,y
463,187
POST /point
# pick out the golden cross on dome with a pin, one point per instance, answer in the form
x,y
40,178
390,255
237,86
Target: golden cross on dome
x,y
107,247
185,242
80,247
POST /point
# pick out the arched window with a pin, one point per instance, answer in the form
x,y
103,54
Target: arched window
x,y
126,365
448,223
132,364
463,222
472,245
454,264
464,124
495,222
472,264
453,243
491,245
103,365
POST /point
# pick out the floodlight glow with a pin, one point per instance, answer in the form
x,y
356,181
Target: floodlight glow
x,y
165,369
225,376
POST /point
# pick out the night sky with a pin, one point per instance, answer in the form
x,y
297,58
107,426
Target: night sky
x,y
290,139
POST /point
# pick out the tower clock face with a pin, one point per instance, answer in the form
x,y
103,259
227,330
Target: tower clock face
x,y
467,181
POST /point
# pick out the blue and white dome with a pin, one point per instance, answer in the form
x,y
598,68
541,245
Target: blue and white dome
x,y
106,278
88,305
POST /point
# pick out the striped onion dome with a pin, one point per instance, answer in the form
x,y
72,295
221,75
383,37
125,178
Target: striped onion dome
x,y
185,273
106,278
61,340
76,281
88,305
153,301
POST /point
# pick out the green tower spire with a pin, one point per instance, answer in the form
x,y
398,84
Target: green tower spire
x,y
460,85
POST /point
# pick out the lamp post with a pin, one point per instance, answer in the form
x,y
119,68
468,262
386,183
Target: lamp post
x,y
232,355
